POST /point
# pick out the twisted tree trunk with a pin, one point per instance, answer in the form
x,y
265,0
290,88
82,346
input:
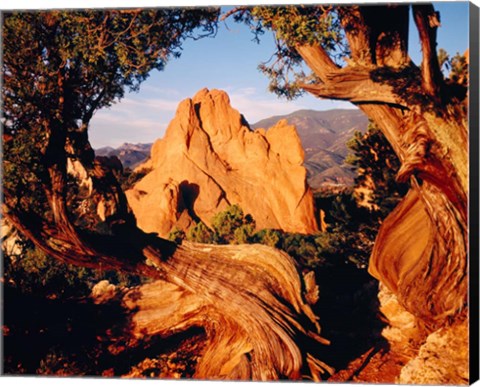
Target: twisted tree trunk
x,y
421,250
250,308
249,299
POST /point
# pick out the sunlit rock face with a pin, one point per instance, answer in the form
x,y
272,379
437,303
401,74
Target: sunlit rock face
x,y
210,158
442,359
11,240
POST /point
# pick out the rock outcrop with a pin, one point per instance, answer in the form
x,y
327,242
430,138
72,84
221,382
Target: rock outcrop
x,y
210,158
442,359
11,240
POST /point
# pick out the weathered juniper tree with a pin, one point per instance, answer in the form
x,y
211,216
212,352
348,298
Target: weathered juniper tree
x,y
359,54
60,67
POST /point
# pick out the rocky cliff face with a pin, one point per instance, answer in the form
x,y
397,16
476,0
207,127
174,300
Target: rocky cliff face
x,y
210,158
324,135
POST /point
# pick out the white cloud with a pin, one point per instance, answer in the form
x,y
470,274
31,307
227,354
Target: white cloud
x,y
150,88
134,119
145,117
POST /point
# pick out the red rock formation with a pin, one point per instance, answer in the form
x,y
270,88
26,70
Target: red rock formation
x,y
210,158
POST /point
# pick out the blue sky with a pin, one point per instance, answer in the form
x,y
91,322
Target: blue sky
x,y
229,62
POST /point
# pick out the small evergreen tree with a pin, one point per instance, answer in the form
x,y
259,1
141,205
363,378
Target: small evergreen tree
x,y
233,226
374,160
200,233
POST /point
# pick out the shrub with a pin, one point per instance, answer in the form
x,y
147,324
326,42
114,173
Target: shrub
x,y
33,272
225,224
244,233
200,233
269,237
176,235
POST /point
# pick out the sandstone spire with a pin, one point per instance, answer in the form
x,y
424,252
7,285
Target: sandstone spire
x,y
210,158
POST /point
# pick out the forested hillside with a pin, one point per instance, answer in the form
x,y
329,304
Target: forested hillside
x,y
324,136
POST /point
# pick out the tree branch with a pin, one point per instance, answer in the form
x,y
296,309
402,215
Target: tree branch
x,y
317,59
427,22
356,32
377,35
355,85
247,297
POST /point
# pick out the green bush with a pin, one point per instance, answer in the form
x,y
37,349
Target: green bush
x,y
233,226
244,233
348,240
33,272
269,237
229,226
200,233
176,235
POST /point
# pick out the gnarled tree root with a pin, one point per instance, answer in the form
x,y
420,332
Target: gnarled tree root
x,y
247,298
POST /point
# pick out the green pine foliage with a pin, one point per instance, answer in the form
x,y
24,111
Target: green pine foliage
x,y
177,235
60,67
455,68
232,226
244,233
373,158
199,233
269,237
292,25
33,272
353,227
347,241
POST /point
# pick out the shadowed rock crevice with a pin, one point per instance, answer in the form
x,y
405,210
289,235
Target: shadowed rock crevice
x,y
189,193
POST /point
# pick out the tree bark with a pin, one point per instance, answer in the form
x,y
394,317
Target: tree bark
x,y
427,22
249,308
421,250
249,299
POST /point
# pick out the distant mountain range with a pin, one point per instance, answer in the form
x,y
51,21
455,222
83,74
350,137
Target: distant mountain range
x,y
324,135
130,155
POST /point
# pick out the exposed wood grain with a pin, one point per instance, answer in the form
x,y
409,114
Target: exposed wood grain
x,y
355,84
248,298
421,250
427,22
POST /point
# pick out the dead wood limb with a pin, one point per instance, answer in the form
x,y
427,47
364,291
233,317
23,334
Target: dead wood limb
x,y
423,241
355,85
421,249
317,59
247,298
427,22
